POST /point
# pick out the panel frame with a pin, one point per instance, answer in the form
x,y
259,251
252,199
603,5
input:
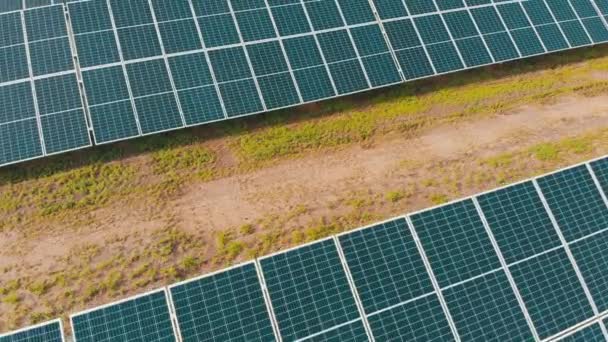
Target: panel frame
x,y
39,325
261,282
124,300
566,247
326,239
505,268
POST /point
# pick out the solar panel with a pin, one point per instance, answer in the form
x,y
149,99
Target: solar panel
x,y
309,290
385,264
575,201
47,332
152,66
422,319
592,261
536,280
42,110
224,306
142,318
487,309
518,221
456,243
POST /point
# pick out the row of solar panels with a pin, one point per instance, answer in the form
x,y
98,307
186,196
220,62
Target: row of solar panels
x,y
99,71
522,263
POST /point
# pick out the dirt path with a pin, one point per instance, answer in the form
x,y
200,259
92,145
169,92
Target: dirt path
x,y
318,180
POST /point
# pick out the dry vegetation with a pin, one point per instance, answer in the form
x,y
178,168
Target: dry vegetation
x,y
85,193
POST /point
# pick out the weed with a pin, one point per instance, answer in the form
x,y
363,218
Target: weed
x,y
190,263
438,199
545,152
11,298
38,287
247,229
113,281
395,196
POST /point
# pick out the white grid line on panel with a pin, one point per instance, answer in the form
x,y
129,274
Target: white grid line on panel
x,y
580,20
32,84
280,40
353,289
78,71
175,321
176,332
431,274
445,24
599,13
566,246
124,67
559,27
523,8
166,60
597,183
423,45
388,42
319,333
242,44
603,195
314,34
505,267
207,60
268,302
507,31
582,325
481,35
352,41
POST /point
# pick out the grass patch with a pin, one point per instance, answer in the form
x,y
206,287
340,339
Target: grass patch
x,y
395,196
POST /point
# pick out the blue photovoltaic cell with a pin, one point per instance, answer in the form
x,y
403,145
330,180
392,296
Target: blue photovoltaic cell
x,y
552,308
227,306
456,242
47,332
140,319
385,264
575,202
309,290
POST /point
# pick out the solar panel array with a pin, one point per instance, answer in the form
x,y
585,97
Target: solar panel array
x,y
525,262
89,72
45,332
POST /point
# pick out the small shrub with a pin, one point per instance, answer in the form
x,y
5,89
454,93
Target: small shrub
x,y
247,229
438,199
395,196
190,263
11,298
